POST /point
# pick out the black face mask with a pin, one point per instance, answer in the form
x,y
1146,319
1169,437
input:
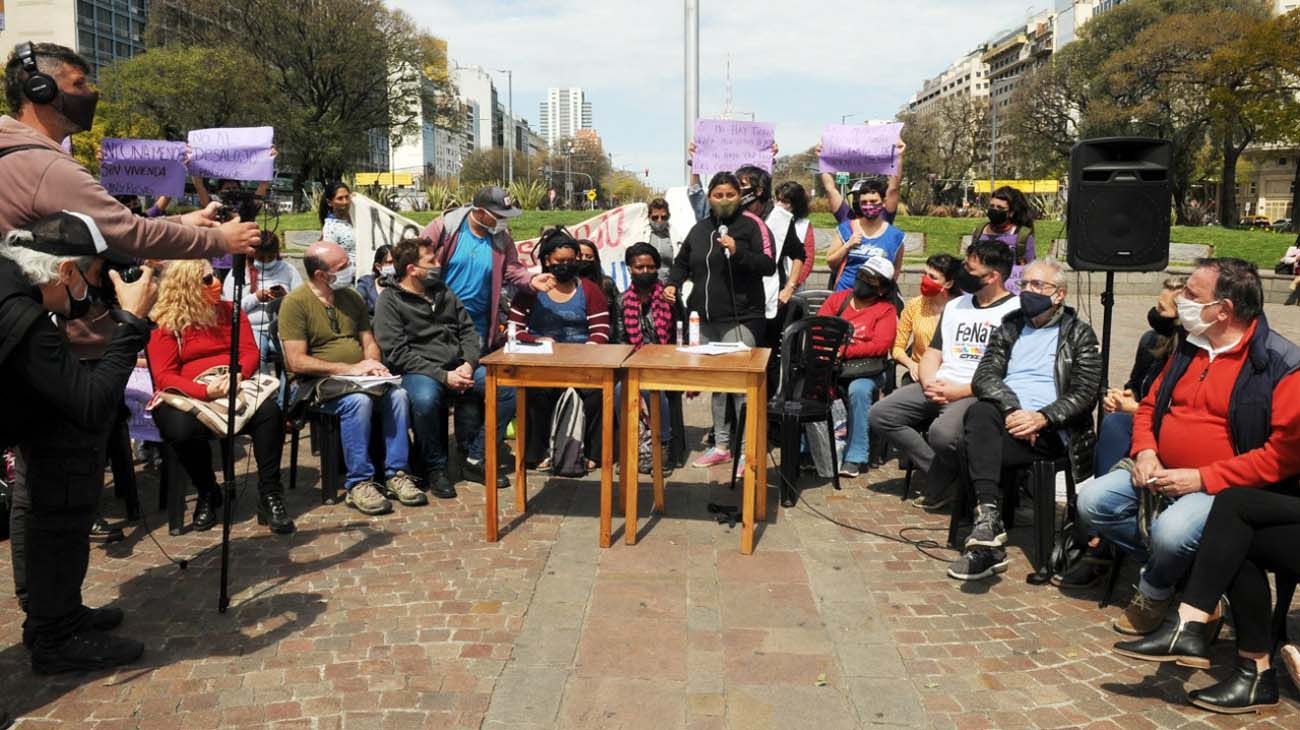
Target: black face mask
x,y
432,280
646,280
865,290
78,308
1163,326
968,282
78,109
588,269
997,216
565,272
1033,305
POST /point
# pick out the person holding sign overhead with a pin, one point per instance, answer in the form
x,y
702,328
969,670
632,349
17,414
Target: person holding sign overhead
x,y
723,259
864,238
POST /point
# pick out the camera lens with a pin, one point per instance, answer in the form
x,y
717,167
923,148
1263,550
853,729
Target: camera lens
x,y
130,274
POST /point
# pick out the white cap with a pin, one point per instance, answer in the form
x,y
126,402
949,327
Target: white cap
x,y
879,265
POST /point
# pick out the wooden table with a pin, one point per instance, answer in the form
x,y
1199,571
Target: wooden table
x,y
657,368
571,366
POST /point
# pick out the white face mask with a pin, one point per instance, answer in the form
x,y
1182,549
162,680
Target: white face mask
x,y
1189,315
387,270
342,278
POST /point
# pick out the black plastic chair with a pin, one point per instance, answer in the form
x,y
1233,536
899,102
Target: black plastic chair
x,y
1040,479
810,369
803,305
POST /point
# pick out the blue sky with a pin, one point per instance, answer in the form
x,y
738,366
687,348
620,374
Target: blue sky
x,y
796,64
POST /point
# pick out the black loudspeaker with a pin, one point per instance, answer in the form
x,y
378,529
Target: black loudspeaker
x,y
1120,197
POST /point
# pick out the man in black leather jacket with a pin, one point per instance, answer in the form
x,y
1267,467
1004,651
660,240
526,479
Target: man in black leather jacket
x,y
1037,385
58,412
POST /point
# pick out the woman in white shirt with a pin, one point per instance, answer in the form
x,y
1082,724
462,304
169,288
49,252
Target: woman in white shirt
x,y
336,218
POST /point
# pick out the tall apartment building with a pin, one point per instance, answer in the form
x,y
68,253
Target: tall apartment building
x,y
565,111
483,120
102,31
966,77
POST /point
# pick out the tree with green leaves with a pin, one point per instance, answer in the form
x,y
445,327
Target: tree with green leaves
x,y
342,68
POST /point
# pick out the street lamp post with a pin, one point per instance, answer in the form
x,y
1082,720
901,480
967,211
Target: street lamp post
x,y
845,117
510,112
691,103
568,175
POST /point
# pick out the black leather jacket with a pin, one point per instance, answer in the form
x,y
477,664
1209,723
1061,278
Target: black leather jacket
x,y
1077,375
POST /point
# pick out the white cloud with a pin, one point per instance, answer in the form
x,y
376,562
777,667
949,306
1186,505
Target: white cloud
x,y
800,65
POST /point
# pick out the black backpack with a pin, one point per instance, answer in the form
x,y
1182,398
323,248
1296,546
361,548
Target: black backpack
x,y
567,426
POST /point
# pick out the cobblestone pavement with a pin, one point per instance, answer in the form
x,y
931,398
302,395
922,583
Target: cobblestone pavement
x,y
410,620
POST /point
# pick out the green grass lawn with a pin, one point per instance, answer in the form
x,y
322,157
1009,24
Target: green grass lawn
x,y
942,234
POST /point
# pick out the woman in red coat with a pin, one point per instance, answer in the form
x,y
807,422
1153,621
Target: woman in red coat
x,y
193,335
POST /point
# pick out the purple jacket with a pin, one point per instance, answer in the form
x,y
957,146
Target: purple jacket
x,y
506,269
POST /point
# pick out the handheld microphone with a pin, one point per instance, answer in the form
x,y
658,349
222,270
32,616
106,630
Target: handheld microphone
x,y
722,231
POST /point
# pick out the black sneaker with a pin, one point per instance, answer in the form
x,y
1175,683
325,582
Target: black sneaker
x,y
472,471
988,530
850,469
86,651
978,563
102,532
1083,574
105,618
439,485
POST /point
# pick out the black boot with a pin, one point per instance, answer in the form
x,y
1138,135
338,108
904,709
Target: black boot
x,y
474,472
439,485
102,532
205,508
1247,690
271,511
104,618
90,650
1181,642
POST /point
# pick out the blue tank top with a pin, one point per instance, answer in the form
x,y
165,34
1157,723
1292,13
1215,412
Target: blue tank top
x,y
562,321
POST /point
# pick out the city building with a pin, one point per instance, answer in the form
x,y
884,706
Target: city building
x,y
1015,53
1267,186
102,31
563,114
1070,17
484,118
431,152
967,77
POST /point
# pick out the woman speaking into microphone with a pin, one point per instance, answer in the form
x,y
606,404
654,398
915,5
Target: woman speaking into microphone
x,y
723,259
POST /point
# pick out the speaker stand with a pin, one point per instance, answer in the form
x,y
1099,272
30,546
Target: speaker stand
x,y
1107,307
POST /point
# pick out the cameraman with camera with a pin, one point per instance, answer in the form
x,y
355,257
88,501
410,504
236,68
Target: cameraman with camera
x,y
51,267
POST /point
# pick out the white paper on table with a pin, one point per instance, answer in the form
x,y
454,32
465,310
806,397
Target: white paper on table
x,y
778,222
714,348
367,381
530,348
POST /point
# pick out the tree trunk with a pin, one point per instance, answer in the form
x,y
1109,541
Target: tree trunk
x,y
1228,191
299,178
1295,198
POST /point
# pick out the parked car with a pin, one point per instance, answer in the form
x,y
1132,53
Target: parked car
x,y
1282,224
1256,222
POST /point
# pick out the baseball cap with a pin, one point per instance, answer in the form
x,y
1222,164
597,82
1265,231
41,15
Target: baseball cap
x,y
879,266
68,234
497,202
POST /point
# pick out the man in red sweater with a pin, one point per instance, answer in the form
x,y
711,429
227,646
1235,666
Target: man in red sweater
x,y
1224,413
869,307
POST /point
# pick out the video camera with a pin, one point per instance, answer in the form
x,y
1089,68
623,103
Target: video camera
x,y
239,204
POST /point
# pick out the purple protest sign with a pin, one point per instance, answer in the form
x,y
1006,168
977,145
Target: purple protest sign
x,y
236,153
723,144
142,167
861,148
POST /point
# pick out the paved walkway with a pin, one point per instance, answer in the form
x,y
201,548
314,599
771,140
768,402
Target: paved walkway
x,y
411,621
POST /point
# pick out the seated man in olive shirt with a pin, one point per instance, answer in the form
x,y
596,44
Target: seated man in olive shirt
x,y
325,331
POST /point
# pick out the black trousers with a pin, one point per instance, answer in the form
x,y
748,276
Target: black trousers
x,y
540,409
988,449
57,488
118,450
1248,531
190,439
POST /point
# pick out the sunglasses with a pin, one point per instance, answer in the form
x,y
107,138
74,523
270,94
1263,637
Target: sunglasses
x,y
658,218
208,279
334,320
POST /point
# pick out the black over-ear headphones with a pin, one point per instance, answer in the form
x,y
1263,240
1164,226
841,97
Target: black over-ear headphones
x,y
39,88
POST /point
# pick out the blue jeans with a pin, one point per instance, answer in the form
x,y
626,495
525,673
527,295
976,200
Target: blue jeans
x,y
1113,441
427,399
356,413
857,447
1109,506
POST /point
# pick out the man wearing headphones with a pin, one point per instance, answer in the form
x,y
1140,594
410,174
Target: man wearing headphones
x,y
51,98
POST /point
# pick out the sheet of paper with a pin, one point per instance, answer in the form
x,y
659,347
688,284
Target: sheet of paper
x,y
714,348
142,167
530,348
725,144
861,148
237,153
366,381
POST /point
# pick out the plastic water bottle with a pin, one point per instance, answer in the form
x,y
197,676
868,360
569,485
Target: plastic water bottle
x,y
511,333
680,340
695,329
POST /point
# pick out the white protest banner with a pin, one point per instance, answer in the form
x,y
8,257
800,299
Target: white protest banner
x,y
375,226
866,148
778,222
725,144
612,231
